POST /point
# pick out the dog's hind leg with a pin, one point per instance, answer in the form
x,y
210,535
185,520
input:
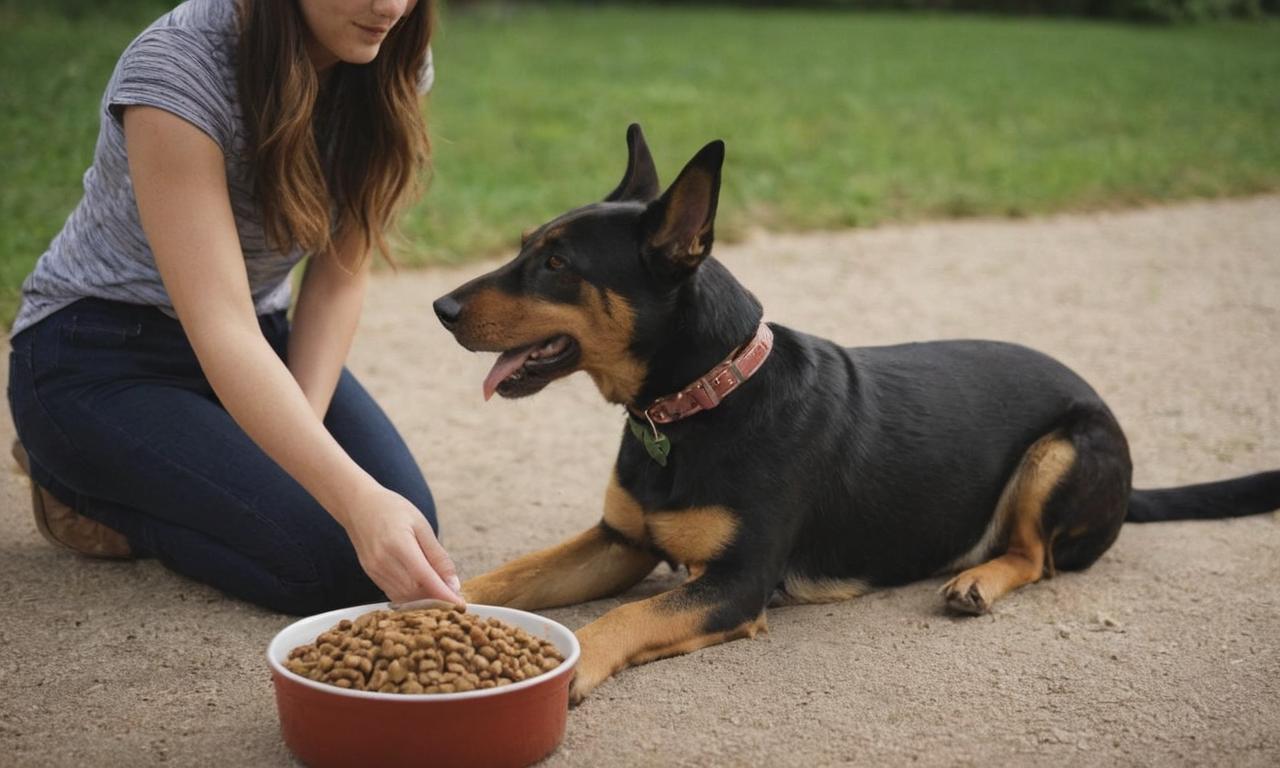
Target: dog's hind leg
x,y
1061,509
1020,512
1083,518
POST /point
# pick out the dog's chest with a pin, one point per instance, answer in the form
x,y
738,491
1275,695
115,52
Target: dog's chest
x,y
689,536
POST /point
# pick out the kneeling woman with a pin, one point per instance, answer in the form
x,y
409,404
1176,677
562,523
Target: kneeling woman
x,y
165,406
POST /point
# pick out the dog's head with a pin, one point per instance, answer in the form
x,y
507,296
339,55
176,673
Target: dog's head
x,y
590,288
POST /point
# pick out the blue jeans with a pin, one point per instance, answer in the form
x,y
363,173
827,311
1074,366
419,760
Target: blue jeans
x,y
120,423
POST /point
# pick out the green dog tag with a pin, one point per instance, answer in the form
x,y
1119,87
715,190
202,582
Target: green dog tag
x,y
655,443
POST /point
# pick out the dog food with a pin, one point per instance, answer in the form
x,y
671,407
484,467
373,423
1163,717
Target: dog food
x,y
429,650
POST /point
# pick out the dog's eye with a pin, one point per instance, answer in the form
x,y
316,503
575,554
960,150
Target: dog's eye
x,y
554,263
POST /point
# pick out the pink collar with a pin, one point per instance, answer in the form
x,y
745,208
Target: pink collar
x,y
707,392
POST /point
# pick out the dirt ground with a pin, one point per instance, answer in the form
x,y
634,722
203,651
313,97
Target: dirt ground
x,y
1164,653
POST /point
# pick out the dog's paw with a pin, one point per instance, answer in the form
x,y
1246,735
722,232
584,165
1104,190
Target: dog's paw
x,y
585,680
583,683
593,669
964,594
576,693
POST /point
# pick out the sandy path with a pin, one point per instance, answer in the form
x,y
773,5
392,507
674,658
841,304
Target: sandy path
x,y
1173,314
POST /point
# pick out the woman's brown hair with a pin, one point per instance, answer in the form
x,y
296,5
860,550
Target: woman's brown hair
x,y
351,147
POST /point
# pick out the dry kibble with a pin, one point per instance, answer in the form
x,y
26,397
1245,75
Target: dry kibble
x,y
422,651
396,672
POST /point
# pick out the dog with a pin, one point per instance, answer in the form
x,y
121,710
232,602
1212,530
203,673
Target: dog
x,y
776,466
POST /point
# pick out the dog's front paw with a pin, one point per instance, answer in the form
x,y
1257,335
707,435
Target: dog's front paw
x,y
964,594
584,682
592,671
577,692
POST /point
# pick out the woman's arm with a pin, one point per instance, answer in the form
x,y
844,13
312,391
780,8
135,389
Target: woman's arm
x,y
325,318
179,179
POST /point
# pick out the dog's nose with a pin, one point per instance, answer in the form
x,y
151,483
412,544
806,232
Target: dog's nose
x,y
447,309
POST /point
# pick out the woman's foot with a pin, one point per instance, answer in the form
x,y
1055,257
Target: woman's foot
x,y
63,526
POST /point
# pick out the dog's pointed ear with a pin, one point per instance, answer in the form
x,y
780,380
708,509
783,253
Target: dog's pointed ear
x,y
680,224
640,182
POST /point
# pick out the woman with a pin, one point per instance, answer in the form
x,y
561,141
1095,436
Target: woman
x,y
166,406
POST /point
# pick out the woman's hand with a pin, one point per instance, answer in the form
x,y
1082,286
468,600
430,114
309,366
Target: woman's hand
x,y
398,550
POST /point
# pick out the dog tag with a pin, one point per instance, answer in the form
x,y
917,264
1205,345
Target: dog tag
x,y
655,443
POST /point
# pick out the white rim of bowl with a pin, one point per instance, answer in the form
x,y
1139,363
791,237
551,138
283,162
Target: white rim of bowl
x,y
567,664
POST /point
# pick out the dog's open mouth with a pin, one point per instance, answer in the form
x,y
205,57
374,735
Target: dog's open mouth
x,y
525,370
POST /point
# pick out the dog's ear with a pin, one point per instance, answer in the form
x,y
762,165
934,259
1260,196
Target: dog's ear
x,y
640,182
679,225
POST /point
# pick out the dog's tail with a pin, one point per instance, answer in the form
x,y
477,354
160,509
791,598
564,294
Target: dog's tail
x,y
1249,495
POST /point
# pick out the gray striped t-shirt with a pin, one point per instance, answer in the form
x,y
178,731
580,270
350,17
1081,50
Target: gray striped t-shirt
x,y
184,63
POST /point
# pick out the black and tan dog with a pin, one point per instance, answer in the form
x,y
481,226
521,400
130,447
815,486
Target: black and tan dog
x,y
773,464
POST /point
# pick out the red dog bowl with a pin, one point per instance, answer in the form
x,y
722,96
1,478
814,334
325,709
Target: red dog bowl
x,y
515,725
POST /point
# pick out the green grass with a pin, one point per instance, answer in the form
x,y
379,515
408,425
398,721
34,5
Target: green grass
x,y
831,119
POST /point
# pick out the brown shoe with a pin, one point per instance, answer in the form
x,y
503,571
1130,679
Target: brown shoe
x,y
64,527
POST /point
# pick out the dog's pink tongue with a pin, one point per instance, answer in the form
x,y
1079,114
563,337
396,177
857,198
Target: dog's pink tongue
x,y
507,364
